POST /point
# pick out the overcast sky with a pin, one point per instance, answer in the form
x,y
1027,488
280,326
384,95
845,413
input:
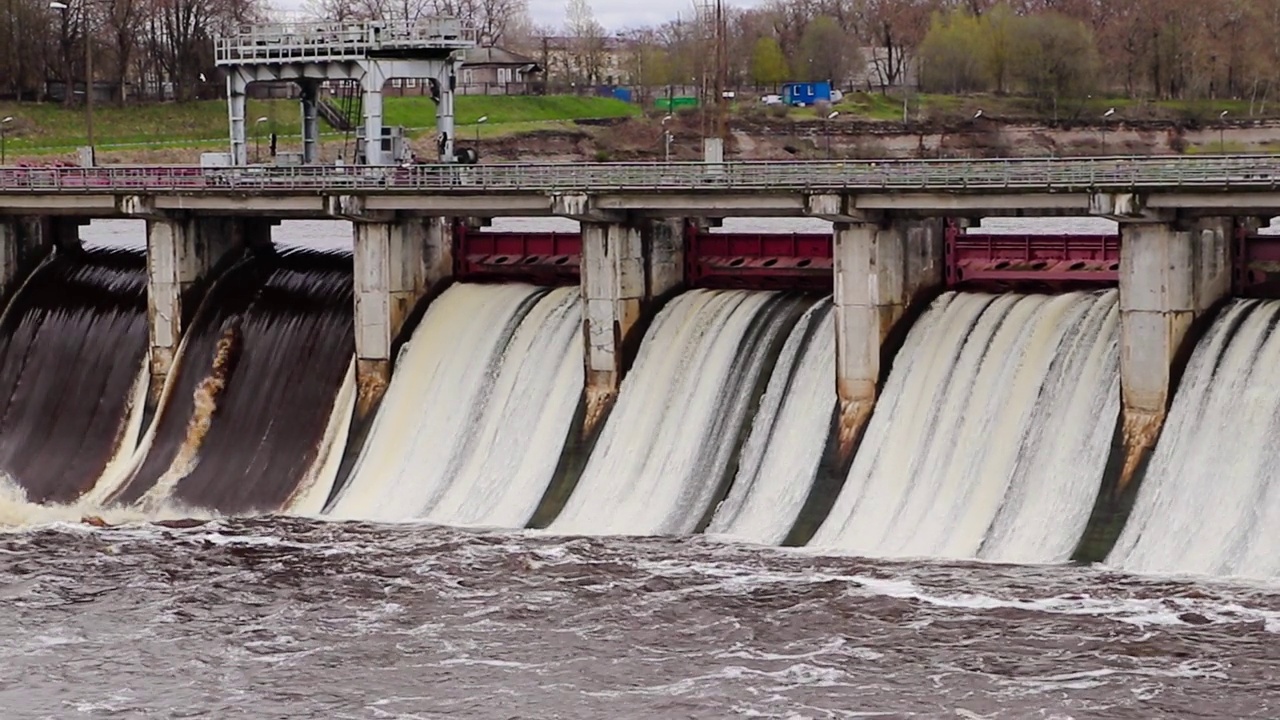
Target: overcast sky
x,y
613,14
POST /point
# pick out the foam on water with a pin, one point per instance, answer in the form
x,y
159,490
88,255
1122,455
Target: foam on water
x,y
997,417
477,413
665,451
781,456
1210,499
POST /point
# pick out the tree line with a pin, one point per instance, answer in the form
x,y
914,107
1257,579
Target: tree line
x,y
1165,49
153,48
138,44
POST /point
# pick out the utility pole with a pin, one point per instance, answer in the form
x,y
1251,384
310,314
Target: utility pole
x,y
88,76
546,63
722,70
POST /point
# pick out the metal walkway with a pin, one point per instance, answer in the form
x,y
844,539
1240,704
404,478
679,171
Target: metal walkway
x,y
337,42
1245,173
370,53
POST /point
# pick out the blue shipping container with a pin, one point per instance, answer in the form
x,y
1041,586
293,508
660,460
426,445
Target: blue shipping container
x,y
622,93
806,93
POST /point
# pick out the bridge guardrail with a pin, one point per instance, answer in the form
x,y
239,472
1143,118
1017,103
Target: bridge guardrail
x,y
898,176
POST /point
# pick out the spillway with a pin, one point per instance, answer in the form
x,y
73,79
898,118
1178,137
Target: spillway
x,y
254,415
991,435
666,451
783,452
479,408
73,344
1210,499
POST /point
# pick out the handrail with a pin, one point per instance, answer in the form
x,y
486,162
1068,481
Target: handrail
x,y
1024,175
338,39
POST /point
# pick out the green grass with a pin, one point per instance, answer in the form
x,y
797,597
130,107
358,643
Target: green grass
x,y
955,108
54,127
420,112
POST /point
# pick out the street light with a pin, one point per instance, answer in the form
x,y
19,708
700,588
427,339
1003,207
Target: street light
x,y
830,116
88,68
1222,132
4,128
257,139
977,115
666,140
483,119
1106,118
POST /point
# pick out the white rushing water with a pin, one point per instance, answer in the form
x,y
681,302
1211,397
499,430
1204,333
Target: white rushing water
x,y
477,414
1210,500
780,459
665,450
991,435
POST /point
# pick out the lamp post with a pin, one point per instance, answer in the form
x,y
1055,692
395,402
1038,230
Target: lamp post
x,y
827,126
4,129
482,120
1222,132
666,140
1106,118
88,68
257,139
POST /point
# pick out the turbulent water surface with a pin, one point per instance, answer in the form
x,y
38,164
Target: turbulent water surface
x,y
282,617
279,618
991,435
1210,502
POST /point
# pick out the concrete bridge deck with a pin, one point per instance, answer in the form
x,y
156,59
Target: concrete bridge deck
x,y
839,190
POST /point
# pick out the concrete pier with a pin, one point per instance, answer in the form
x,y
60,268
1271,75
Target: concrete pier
x,y
1171,273
397,262
181,253
625,268
882,270
25,241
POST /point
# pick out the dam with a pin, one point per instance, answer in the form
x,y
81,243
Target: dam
x,y
903,385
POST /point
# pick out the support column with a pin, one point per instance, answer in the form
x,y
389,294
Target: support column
x,y
882,269
372,84
1170,275
448,81
181,251
625,267
237,87
664,248
310,123
396,263
24,242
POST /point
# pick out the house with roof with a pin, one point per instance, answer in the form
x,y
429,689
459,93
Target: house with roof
x,y
484,71
498,71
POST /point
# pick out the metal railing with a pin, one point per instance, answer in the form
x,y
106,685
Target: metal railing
x,y
973,176
320,41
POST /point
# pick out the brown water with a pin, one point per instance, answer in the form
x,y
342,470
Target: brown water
x,y
287,618
284,618
255,386
72,346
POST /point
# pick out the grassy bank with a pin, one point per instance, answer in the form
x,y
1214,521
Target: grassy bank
x,y
1090,110
50,127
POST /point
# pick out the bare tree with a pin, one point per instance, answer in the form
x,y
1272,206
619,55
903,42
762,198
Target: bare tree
x,y
587,38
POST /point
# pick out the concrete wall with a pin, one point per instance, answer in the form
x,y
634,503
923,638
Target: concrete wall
x,y
181,252
625,269
25,241
1170,274
396,264
881,270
